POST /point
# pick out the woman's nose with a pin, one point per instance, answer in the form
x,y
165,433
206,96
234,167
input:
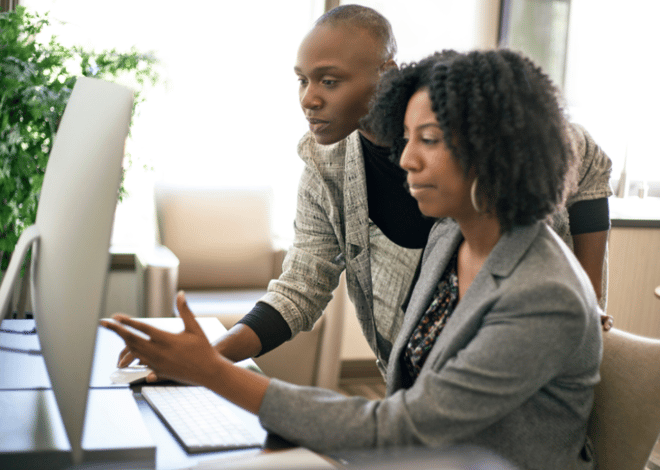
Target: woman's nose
x,y
309,98
408,160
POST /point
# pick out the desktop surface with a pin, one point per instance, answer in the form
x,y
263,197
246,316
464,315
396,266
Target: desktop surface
x,y
22,366
126,432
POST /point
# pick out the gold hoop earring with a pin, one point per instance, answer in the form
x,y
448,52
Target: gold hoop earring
x,y
473,196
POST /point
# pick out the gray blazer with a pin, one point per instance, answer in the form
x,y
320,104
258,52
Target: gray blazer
x,y
513,371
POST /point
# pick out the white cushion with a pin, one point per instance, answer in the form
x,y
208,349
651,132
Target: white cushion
x,y
221,236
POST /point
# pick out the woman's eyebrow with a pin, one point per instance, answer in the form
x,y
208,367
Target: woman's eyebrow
x,y
426,125
319,70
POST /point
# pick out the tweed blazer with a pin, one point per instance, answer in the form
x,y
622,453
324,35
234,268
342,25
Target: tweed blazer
x,y
593,176
333,232
513,370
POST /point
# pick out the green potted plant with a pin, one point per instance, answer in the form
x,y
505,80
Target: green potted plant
x,y
36,79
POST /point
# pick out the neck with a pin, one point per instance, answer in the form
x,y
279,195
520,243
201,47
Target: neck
x,y
481,232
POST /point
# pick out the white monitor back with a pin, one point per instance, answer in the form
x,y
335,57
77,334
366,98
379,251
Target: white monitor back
x,y
74,222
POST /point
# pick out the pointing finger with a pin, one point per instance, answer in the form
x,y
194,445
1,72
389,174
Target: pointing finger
x,y
186,315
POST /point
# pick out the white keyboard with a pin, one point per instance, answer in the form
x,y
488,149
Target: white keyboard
x,y
201,420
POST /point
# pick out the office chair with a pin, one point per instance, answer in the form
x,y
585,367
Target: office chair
x,y
625,420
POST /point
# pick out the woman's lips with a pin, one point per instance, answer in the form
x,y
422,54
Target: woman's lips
x,y
317,125
418,189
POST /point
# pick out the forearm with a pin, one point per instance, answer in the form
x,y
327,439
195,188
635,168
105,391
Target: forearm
x,y
590,224
239,343
239,385
590,250
269,326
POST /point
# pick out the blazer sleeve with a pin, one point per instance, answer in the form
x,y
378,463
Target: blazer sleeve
x,y
313,264
595,168
487,379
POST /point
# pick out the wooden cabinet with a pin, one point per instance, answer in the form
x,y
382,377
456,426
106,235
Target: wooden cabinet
x,y
634,273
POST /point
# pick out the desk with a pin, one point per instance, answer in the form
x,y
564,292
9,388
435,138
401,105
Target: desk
x,y
30,419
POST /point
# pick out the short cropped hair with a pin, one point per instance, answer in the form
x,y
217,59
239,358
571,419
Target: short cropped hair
x,y
505,121
366,18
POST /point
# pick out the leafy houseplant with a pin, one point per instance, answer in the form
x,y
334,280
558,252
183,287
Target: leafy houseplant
x,y
36,80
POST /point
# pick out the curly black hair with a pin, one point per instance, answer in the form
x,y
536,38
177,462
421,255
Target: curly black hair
x,y
507,124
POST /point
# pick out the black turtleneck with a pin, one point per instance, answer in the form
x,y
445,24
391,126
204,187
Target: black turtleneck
x,y
391,207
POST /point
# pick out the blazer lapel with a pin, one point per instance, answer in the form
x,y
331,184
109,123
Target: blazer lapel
x,y
443,241
510,249
467,317
356,213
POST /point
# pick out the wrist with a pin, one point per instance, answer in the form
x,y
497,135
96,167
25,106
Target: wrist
x,y
217,366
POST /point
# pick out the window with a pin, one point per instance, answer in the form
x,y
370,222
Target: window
x,y
539,29
422,27
611,83
227,111
602,54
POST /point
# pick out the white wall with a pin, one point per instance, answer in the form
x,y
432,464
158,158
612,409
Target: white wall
x,y
422,27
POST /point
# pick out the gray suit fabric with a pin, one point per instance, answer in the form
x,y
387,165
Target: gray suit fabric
x,y
513,370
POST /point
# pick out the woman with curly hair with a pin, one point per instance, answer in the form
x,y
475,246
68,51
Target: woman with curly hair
x,y
502,328
508,132
500,346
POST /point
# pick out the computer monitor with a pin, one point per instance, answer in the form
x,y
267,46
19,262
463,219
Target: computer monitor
x,y
70,241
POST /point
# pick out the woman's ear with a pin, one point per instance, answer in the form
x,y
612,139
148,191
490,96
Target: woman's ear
x,y
385,66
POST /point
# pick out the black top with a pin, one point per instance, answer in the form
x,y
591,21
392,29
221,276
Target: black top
x,y
589,216
391,207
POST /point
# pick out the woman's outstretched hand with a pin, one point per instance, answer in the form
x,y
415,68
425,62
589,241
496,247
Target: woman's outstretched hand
x,y
186,357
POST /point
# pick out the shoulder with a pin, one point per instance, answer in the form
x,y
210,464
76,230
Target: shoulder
x,y
337,168
551,271
549,288
332,173
595,167
586,147
548,249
